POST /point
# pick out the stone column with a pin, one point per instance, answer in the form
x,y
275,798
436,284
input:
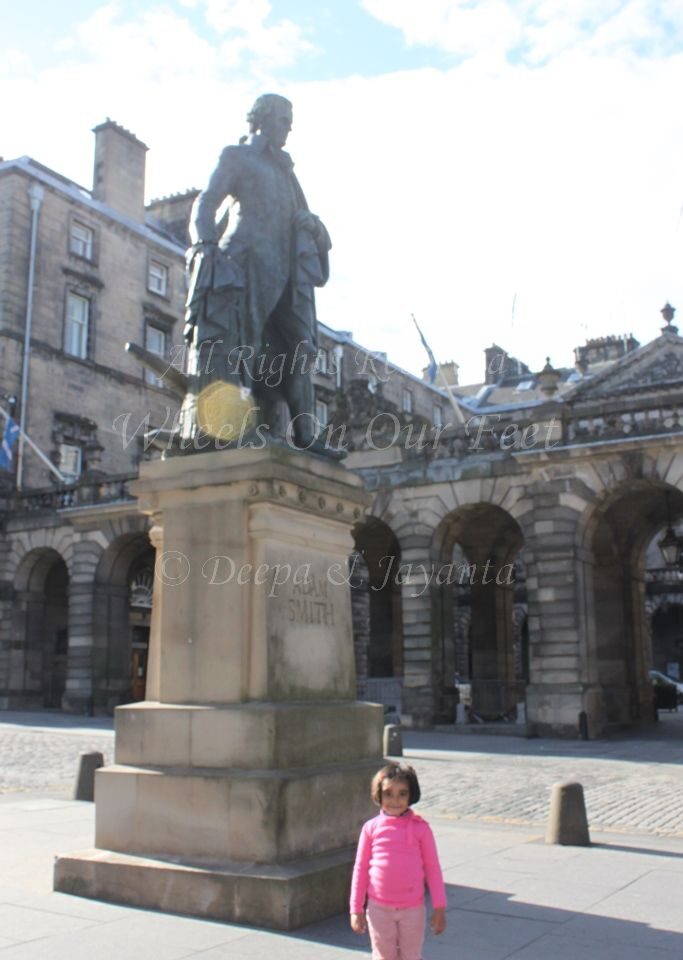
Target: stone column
x,y
418,634
558,690
360,614
78,693
239,792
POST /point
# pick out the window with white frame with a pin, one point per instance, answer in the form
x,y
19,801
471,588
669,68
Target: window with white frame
x,y
157,278
322,361
321,413
70,461
155,342
81,240
437,415
76,326
407,403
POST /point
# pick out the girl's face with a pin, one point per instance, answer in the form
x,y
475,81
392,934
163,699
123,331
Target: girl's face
x,y
395,796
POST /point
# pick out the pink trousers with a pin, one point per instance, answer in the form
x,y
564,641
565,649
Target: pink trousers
x,y
396,933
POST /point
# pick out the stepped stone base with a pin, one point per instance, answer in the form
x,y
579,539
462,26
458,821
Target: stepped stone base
x,y
240,786
282,897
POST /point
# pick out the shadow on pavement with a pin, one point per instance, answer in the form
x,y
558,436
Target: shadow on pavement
x,y
492,925
645,851
55,720
661,743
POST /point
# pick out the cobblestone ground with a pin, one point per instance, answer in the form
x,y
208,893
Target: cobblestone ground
x,y
629,784
40,751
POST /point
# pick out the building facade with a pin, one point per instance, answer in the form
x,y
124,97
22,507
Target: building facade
x,y
81,273
511,548
520,549
84,271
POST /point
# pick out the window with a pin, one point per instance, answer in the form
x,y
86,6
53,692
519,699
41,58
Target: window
x,y
155,342
437,415
407,401
81,240
321,361
336,364
321,413
157,278
70,461
76,327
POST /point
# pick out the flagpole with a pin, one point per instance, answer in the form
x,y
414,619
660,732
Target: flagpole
x,y
446,385
36,195
37,450
454,402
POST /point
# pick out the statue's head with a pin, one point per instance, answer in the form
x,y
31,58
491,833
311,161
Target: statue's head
x,y
271,115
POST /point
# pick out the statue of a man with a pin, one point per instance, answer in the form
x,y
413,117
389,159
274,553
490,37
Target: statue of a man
x,y
250,309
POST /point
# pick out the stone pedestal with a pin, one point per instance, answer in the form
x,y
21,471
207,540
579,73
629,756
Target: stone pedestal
x,y
240,785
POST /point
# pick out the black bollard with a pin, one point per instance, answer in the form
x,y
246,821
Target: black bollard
x,y
88,763
392,741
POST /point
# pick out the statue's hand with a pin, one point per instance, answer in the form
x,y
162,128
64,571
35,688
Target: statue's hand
x,y
206,247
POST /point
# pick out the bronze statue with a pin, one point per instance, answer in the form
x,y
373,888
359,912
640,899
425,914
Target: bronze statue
x,y
250,307
250,317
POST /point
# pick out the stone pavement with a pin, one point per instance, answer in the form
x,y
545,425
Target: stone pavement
x,y
510,897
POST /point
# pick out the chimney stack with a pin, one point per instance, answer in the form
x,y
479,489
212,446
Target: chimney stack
x,y
119,175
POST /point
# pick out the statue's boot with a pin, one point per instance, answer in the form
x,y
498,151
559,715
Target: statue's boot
x,y
300,397
298,391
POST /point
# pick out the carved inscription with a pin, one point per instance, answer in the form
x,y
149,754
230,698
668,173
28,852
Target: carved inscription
x,y
310,603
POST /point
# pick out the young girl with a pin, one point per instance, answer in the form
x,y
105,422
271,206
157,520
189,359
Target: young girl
x,y
396,855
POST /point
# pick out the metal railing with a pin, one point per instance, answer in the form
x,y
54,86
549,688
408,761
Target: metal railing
x,y
85,492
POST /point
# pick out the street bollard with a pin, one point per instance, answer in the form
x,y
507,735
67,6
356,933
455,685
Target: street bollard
x,y
583,725
392,743
88,763
567,822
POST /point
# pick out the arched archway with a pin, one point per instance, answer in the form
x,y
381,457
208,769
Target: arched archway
x,y
123,600
38,659
667,639
480,618
617,537
664,609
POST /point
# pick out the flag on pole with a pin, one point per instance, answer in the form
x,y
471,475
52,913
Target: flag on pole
x,y
433,369
9,438
433,366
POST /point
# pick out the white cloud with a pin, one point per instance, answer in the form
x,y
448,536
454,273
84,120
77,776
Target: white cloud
x,y
467,188
459,27
246,24
533,30
446,192
160,73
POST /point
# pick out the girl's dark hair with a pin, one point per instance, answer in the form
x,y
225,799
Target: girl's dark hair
x,y
395,771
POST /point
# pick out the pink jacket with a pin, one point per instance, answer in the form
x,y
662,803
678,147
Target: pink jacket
x,y
395,856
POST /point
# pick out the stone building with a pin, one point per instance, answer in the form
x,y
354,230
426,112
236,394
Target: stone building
x,y
519,549
85,271
513,538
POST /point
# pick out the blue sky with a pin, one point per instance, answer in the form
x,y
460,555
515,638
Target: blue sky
x,y
465,154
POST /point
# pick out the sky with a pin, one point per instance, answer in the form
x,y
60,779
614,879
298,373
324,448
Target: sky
x,y
509,171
